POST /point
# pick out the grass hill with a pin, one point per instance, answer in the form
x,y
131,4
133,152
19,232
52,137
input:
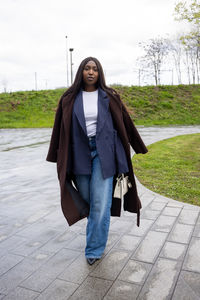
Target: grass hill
x,y
148,105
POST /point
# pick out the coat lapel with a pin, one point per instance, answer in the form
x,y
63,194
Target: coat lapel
x,y
103,105
79,111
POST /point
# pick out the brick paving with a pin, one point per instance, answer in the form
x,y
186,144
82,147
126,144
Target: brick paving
x,y
41,257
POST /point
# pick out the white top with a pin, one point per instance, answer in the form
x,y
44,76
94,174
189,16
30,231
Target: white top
x,y
90,106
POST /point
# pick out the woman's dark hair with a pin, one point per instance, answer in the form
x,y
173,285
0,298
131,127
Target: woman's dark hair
x,y
78,81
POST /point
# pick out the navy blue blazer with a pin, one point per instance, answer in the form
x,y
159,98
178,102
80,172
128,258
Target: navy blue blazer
x,y
109,147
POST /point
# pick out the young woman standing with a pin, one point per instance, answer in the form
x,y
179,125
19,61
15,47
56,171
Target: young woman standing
x,y
90,142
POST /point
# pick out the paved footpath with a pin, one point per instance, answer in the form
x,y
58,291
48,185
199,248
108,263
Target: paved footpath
x,y
41,257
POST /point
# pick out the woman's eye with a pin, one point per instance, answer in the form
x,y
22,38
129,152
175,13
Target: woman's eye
x,y
87,69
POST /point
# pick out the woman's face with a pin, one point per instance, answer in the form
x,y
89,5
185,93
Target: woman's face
x,y
90,73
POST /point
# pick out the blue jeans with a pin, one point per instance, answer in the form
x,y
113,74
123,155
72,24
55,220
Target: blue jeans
x,y
98,193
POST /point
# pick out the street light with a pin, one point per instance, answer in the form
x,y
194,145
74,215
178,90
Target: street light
x,y
71,49
67,62
36,81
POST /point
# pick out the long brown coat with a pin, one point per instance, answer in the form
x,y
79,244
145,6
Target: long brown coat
x,y
58,152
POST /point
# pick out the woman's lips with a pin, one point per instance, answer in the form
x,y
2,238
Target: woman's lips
x,y
90,78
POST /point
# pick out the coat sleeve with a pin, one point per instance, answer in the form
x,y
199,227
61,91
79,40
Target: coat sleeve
x,y
133,135
54,142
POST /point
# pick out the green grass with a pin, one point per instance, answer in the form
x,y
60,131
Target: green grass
x,y
163,105
148,105
172,168
29,109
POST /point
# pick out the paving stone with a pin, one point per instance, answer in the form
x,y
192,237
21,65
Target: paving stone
x,y
135,272
41,256
128,242
16,225
27,247
147,198
111,265
146,201
9,261
191,207
92,288
113,237
155,205
122,291
161,281
83,222
175,204
45,275
3,237
59,242
56,217
173,250
11,243
37,215
171,211
150,214
78,243
58,290
198,221
188,216
141,191
121,226
188,286
127,215
181,233
57,223
197,231
142,229
150,246
164,223
20,293
7,231
192,260
17,274
113,219
78,270
76,229
160,198
38,230
131,217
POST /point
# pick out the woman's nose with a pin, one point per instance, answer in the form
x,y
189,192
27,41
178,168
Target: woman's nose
x,y
91,71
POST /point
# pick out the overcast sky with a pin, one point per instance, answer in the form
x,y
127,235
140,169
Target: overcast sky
x,y
32,38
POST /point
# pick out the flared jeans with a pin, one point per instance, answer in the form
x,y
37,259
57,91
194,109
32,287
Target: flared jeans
x,y
97,191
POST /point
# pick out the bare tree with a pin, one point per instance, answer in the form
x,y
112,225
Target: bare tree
x,y
190,12
176,50
4,83
155,53
191,45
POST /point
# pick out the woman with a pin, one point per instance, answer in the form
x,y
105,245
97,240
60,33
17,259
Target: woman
x,y
90,142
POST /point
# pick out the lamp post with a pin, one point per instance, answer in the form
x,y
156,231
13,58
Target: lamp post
x,y
71,50
36,81
67,62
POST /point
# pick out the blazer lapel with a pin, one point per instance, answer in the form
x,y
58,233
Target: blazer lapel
x,y
103,105
79,111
